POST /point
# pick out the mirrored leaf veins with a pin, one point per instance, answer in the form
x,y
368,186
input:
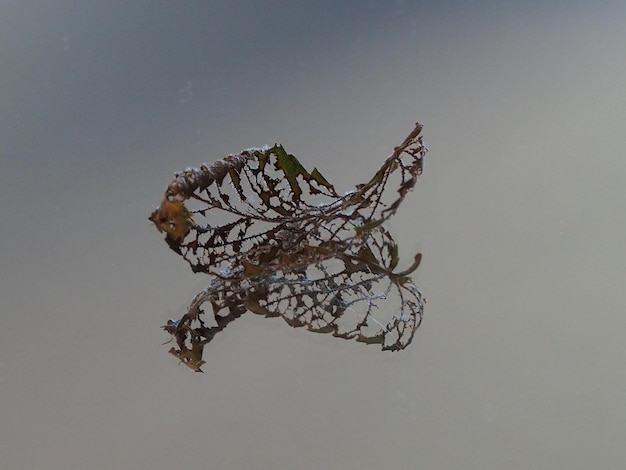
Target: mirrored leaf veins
x,y
279,241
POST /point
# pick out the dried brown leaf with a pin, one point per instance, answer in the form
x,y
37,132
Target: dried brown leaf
x,y
280,241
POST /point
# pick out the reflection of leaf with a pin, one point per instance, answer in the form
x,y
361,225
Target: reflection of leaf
x,y
349,296
280,241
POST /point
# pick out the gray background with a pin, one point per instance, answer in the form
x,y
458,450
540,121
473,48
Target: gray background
x,y
520,215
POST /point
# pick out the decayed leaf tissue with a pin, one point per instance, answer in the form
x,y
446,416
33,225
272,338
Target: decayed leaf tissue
x,y
279,241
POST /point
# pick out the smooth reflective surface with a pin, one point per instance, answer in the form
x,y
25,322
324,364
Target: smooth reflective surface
x,y
519,215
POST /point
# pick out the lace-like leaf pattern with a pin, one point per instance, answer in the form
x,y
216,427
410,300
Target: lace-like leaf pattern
x,y
279,241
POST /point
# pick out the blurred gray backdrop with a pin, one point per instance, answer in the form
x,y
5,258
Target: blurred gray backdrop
x,y
519,362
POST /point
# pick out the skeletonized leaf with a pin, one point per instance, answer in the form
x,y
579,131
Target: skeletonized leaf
x,y
280,241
